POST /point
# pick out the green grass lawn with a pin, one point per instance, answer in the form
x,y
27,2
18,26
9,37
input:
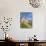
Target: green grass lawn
x,y
23,25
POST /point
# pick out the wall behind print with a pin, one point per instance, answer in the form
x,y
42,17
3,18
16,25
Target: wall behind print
x,y
12,8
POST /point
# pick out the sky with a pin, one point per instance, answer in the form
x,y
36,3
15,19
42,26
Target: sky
x,y
28,15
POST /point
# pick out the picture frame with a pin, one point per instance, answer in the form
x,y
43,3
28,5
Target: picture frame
x,y
25,19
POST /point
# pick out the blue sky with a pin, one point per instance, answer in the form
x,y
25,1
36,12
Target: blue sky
x,y
28,15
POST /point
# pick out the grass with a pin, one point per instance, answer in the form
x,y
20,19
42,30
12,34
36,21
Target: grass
x,y
26,25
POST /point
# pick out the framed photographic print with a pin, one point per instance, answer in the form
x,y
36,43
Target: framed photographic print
x,y
25,19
